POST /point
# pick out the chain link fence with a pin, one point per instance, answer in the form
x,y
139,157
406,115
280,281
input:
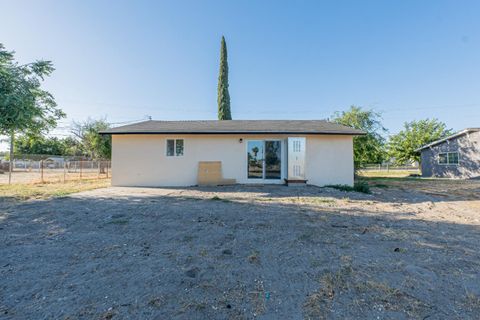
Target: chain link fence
x,y
388,167
388,170
54,171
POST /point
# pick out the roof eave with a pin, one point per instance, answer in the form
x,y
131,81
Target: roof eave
x,y
455,135
232,132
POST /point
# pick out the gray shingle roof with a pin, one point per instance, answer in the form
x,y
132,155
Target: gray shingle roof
x,y
235,126
453,136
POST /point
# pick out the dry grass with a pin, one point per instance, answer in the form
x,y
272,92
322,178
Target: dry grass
x,y
258,298
349,281
472,301
464,189
385,173
318,304
49,176
402,179
48,190
304,201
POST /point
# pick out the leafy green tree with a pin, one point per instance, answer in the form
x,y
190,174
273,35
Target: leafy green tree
x,y
223,98
415,134
24,105
94,145
369,148
36,145
71,147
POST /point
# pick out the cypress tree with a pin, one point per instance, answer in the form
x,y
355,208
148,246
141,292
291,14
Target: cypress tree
x,y
223,98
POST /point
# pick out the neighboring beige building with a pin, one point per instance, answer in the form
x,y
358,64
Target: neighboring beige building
x,y
168,153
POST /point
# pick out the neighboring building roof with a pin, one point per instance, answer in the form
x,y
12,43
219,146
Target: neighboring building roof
x,y
458,134
235,126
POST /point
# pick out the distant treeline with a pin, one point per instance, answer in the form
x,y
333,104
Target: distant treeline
x,y
85,142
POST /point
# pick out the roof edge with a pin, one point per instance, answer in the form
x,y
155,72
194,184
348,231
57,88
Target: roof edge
x,y
360,133
455,135
209,127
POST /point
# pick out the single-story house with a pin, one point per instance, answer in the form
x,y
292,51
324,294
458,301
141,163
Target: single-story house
x,y
171,153
456,156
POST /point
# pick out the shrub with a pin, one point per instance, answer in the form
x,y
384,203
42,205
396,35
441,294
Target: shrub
x,y
341,187
359,186
217,198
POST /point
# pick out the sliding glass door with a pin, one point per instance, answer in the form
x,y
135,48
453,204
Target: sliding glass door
x,y
264,159
255,159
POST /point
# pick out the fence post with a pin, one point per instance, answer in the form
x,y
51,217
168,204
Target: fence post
x,y
81,167
64,171
108,162
41,171
10,160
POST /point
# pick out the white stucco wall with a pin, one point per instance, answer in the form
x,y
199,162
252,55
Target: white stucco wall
x,y
140,160
329,160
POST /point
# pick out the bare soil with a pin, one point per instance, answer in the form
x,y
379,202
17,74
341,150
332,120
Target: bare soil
x,y
407,251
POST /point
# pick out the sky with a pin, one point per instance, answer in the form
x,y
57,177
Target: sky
x,y
128,60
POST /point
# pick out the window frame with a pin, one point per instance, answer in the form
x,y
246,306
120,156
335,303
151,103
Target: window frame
x,y
448,163
174,155
283,160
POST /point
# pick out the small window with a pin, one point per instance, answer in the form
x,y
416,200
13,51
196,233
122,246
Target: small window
x,y
443,158
453,158
179,147
170,148
175,147
448,158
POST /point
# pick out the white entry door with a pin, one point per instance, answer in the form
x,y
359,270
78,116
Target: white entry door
x,y
296,158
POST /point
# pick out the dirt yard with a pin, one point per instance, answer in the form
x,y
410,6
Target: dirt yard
x,y
410,250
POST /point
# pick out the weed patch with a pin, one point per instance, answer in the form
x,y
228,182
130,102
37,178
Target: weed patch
x,y
254,257
217,198
359,186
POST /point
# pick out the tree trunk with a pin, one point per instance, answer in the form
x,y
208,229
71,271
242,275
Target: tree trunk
x,y
11,159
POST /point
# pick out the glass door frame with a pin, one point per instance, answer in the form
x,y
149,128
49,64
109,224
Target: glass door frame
x,y
282,162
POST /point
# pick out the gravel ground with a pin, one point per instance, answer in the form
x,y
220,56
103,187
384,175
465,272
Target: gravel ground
x,y
240,252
